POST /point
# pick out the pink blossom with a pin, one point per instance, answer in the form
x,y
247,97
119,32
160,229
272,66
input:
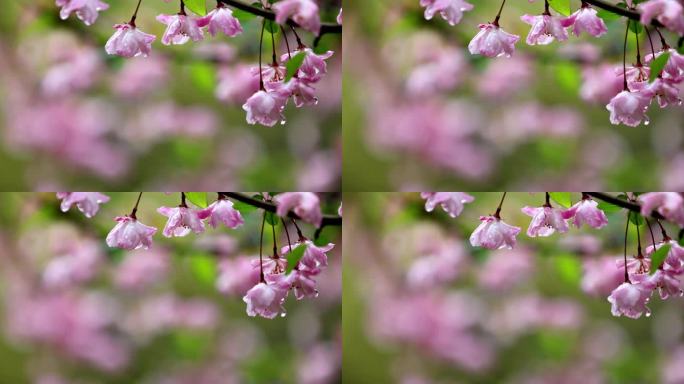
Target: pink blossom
x,y
601,275
77,264
78,72
629,108
450,10
302,12
492,41
266,107
546,221
237,275
665,91
668,204
630,300
86,10
306,205
236,84
314,257
313,66
667,282
504,78
442,72
670,13
140,269
181,28
182,220
600,84
222,211
505,269
451,202
493,233
221,19
130,234
674,68
265,300
586,211
441,263
675,256
302,283
87,202
302,91
129,41
585,19
139,77
545,29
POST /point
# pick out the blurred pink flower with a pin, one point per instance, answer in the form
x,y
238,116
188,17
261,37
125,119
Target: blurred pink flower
x,y
668,204
77,264
504,77
130,234
237,275
87,202
86,10
601,275
451,202
78,71
600,84
440,264
670,13
306,205
236,84
140,269
302,12
450,10
138,77
505,269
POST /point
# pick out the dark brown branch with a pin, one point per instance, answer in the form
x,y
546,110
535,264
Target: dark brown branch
x,y
328,220
620,11
623,203
267,14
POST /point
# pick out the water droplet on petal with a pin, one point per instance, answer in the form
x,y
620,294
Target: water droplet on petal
x,y
283,314
648,314
647,122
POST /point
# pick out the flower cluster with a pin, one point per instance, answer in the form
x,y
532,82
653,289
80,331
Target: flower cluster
x,y
629,101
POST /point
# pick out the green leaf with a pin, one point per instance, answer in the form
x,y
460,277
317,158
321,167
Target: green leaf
x,y
243,207
658,65
197,6
608,207
561,6
562,198
293,65
636,27
658,257
243,16
569,268
568,76
636,219
272,218
203,75
271,26
294,257
204,268
607,15
197,198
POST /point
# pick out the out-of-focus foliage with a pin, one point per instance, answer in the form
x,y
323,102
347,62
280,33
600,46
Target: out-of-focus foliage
x,y
518,316
153,121
517,122
177,328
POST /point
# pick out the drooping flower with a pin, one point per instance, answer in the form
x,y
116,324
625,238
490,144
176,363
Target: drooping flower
x,y
313,66
674,68
450,10
87,202
266,106
451,202
265,300
221,19
129,41
86,10
303,12
306,205
665,91
586,20
181,28
546,221
302,91
130,234
493,233
667,282
630,300
668,204
670,13
302,283
629,108
675,256
545,29
182,220
492,41
314,257
222,211
586,211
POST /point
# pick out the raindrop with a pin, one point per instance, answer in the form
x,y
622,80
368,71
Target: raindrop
x,y
647,122
283,314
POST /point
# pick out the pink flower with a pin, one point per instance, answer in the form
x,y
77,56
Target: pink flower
x,y
130,234
545,29
670,13
545,221
667,282
493,233
451,202
586,20
314,257
629,108
668,204
306,205
265,300
237,275
129,41
600,84
303,12
87,202
182,220
180,29
222,211
266,107
236,84
302,91
586,211
665,91
451,10
493,41
601,275
140,269
313,66
675,256
221,19
86,10
504,269
302,283
674,69
630,300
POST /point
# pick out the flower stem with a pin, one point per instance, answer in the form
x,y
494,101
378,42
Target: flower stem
x,y
135,208
629,213
498,15
261,46
135,14
624,58
497,214
261,250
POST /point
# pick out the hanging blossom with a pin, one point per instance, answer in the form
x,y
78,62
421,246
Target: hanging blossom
x,y
303,12
86,10
546,220
306,205
181,28
129,41
630,300
545,28
669,13
629,107
451,202
586,211
130,234
222,212
87,202
183,220
668,204
586,20
266,106
492,41
450,10
221,19
493,233
265,300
